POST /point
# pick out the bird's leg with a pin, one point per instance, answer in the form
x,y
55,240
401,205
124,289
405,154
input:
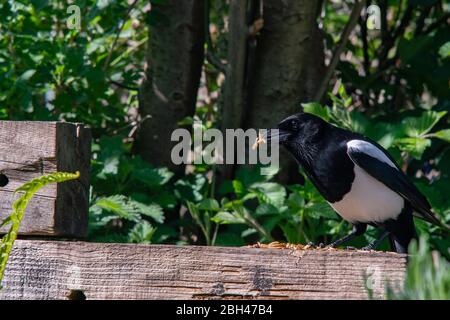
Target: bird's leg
x,y
358,229
373,245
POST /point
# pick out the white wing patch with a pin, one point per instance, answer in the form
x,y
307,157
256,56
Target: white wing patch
x,y
369,149
368,200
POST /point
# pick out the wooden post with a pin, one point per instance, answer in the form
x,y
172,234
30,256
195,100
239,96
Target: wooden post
x,y
31,149
77,270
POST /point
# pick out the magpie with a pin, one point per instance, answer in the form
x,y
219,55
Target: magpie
x,y
357,177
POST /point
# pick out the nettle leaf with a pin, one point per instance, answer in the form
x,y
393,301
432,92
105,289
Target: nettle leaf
x,y
191,188
295,201
320,209
442,134
150,210
111,149
165,199
225,217
120,206
270,192
383,133
110,166
209,204
250,175
317,109
141,233
417,127
414,146
152,177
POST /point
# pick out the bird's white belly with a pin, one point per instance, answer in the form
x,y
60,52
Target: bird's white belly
x,y
368,200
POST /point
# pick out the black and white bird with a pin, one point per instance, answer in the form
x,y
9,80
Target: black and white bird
x,y
357,177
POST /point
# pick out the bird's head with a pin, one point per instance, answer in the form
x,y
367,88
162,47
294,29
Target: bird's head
x,y
301,134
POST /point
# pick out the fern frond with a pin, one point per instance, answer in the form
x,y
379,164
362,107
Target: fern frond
x,y
28,189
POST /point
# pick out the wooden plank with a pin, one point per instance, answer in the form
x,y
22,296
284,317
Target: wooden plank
x,y
57,270
29,149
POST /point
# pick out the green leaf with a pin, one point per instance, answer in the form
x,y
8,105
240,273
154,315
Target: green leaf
x,y
238,187
141,233
316,109
209,204
295,201
150,210
120,206
224,217
442,134
414,146
320,209
417,127
265,209
152,177
270,192
111,149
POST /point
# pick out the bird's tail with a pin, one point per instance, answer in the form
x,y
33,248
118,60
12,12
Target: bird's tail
x,y
400,240
399,245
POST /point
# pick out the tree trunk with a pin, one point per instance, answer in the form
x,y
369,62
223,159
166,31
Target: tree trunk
x,y
288,65
175,58
234,93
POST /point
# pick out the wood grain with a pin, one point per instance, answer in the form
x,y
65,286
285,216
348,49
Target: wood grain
x,y
29,149
57,270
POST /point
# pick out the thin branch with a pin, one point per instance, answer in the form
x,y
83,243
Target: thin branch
x,y
119,31
389,43
437,23
123,86
407,16
384,21
421,20
366,61
352,21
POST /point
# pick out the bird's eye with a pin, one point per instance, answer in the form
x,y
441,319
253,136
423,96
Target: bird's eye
x,y
294,125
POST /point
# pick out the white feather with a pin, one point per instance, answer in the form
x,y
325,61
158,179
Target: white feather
x,y
369,149
368,200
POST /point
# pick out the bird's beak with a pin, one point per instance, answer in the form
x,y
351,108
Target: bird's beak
x,y
277,134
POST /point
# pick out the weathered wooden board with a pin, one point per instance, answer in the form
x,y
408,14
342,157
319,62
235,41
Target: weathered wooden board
x,y
57,270
29,149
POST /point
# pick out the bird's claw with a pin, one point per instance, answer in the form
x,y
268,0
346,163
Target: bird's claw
x,y
315,245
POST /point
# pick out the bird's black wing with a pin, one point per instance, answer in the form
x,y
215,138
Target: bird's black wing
x,y
380,166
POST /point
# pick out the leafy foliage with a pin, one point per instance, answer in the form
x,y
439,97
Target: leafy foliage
x,y
428,275
28,190
130,195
